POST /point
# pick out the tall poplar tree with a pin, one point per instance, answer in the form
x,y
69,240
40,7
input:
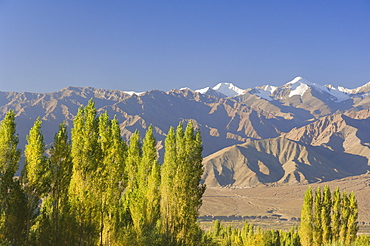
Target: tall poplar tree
x,y
352,225
12,199
306,226
86,156
168,199
36,177
53,225
101,175
325,215
110,180
187,191
317,219
336,215
61,172
9,157
37,165
133,196
344,217
143,186
117,218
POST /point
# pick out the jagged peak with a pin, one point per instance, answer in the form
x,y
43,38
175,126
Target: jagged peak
x,y
299,79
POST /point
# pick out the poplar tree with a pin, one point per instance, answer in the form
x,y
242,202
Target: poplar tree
x,y
344,217
325,216
133,196
61,172
336,214
168,199
187,185
37,165
143,186
149,175
116,183
352,226
101,174
12,199
53,225
86,156
317,219
36,177
9,157
306,226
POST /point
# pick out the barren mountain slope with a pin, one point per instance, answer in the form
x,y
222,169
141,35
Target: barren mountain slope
x,y
338,132
278,161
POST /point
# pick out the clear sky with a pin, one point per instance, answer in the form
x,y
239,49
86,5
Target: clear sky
x,y
46,45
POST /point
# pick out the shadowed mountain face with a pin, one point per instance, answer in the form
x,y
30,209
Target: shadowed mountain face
x,y
297,133
279,161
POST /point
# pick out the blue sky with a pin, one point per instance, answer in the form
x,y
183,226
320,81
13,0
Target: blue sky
x,y
47,45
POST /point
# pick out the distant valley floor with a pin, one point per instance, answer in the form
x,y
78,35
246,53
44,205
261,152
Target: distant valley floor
x,y
283,203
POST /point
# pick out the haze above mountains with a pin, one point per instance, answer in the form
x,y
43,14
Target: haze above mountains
x,y
300,132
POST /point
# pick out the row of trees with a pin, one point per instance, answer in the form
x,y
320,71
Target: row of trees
x,y
328,217
250,235
94,189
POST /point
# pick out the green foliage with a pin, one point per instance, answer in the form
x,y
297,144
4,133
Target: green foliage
x,y
9,155
13,203
181,191
36,163
251,235
36,179
352,224
83,190
325,216
307,219
14,218
143,172
336,213
317,219
316,227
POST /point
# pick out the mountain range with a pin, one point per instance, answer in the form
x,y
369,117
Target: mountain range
x,y
300,132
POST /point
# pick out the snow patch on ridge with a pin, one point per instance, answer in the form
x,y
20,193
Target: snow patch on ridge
x,y
203,91
133,92
265,92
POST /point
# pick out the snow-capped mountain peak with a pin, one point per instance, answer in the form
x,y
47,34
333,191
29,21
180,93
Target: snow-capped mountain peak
x,y
299,79
299,86
228,89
